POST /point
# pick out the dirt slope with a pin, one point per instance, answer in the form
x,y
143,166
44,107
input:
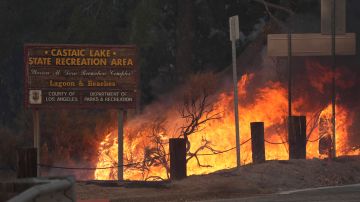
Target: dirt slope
x,y
269,177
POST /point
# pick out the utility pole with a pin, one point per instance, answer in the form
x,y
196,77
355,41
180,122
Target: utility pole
x,y
234,36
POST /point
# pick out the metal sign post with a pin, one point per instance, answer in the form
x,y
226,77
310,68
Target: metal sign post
x,y
289,76
333,52
234,36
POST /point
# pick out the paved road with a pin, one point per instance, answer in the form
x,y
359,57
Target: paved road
x,y
349,193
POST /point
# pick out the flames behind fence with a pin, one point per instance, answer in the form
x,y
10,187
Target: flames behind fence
x,y
146,138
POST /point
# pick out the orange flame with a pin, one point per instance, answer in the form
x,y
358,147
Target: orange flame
x,y
269,106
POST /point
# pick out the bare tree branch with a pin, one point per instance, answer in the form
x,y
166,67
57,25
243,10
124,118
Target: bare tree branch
x,y
268,4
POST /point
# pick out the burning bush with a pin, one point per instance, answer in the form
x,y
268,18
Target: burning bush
x,y
202,113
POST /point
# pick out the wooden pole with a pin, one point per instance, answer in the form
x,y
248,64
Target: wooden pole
x,y
257,142
37,145
177,147
297,137
27,162
121,118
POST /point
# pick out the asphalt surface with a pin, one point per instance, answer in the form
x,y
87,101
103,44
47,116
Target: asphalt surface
x,y
348,193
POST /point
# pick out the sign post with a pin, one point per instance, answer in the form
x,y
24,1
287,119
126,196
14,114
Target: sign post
x,y
36,128
289,78
234,36
81,76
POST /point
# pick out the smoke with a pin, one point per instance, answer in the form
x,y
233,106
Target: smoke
x,y
311,93
262,94
313,74
262,90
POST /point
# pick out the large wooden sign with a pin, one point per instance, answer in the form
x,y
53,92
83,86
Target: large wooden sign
x,y
311,44
84,76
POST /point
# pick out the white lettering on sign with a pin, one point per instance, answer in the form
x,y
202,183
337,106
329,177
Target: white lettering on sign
x,y
57,93
119,99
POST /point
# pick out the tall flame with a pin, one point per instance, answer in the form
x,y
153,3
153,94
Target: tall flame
x,y
269,105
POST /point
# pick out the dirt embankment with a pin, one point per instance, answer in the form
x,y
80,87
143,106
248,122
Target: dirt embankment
x,y
269,177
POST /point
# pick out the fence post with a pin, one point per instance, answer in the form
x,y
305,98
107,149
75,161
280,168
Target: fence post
x,y
257,142
297,137
177,158
26,162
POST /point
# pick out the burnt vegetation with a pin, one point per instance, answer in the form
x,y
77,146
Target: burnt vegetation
x,y
197,109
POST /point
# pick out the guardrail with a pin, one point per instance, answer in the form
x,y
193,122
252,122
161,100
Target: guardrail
x,y
47,189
